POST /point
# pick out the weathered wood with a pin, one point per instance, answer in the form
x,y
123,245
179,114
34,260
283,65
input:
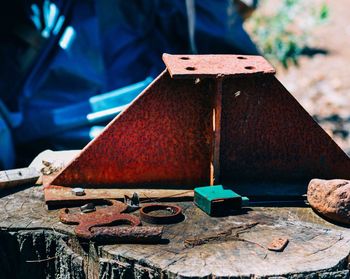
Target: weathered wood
x,y
48,161
38,254
17,177
316,248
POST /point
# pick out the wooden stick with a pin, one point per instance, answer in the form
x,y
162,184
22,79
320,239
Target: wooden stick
x,y
17,177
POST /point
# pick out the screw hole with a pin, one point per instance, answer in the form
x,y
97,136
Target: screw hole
x,y
249,67
184,58
190,68
241,57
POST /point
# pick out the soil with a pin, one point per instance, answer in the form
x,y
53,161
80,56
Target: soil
x,y
321,83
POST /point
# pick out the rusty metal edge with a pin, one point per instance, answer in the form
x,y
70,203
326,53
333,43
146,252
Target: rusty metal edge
x,y
60,196
268,69
52,181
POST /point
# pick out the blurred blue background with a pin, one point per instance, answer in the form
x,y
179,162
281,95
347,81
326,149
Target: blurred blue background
x,y
68,67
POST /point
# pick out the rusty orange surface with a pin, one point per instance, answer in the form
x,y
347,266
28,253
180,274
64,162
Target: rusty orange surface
x,y
193,66
163,138
267,136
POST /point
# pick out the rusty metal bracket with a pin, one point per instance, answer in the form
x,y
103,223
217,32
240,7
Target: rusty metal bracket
x,y
93,225
207,119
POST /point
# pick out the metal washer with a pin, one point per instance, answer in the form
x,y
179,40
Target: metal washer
x,y
175,217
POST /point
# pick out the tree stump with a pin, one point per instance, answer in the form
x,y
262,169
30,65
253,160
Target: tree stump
x,y
34,244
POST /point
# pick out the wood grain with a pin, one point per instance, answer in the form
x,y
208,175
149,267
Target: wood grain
x,y
17,177
315,248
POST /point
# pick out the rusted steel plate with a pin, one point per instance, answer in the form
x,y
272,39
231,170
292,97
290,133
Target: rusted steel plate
x,y
59,195
266,136
163,138
193,66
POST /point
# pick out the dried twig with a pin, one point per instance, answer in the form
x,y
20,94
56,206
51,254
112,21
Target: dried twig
x,y
164,197
42,260
221,236
328,246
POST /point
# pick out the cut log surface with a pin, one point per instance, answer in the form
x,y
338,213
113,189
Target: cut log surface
x,y
199,247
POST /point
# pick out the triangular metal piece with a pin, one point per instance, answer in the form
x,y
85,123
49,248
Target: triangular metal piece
x,y
208,119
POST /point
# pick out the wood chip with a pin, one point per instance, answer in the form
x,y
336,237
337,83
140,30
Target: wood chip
x,y
278,244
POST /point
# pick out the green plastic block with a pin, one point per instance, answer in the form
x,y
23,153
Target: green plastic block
x,y
215,200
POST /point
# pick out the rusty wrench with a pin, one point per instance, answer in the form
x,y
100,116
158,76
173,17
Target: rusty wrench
x,y
89,224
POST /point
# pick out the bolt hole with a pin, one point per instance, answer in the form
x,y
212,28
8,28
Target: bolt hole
x,y
249,67
190,68
184,58
241,57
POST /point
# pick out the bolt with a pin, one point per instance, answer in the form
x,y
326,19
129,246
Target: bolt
x,y
78,191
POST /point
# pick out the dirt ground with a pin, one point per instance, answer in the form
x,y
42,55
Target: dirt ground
x,y
322,83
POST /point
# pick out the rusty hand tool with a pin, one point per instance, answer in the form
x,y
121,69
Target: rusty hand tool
x,y
89,224
138,234
175,215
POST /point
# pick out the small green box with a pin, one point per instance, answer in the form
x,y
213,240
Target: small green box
x,y
215,200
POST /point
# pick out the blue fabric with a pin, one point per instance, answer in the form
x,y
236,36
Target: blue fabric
x,y
121,42
7,154
117,43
